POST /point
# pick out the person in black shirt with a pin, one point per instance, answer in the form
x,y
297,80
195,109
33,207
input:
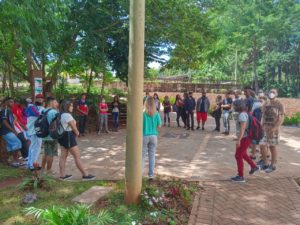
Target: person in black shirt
x,y
190,105
226,106
8,132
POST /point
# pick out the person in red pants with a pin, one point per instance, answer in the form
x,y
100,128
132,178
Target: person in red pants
x,y
242,142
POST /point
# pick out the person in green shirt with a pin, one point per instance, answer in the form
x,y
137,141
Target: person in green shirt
x,y
151,125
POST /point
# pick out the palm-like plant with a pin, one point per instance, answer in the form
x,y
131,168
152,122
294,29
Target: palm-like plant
x,y
76,215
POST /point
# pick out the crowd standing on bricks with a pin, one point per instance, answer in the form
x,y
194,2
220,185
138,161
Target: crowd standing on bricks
x,y
18,121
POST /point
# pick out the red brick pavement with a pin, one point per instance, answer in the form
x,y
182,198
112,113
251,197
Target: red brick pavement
x,y
272,201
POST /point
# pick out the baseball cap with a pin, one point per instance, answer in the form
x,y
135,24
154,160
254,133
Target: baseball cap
x,y
39,96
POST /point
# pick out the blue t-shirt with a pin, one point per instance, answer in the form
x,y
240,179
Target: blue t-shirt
x,y
150,124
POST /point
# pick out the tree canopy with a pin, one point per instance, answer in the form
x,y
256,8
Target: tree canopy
x,y
255,42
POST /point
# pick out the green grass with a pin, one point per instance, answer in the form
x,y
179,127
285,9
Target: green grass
x,y
62,192
61,195
9,172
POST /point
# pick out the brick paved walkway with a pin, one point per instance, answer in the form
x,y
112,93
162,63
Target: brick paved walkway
x,y
263,201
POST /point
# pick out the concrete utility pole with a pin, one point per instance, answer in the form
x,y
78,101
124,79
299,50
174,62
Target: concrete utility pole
x,y
134,138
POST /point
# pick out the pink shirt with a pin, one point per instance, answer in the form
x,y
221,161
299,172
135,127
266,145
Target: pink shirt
x,y
103,106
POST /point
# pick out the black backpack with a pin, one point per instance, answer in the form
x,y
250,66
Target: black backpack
x,y
56,129
41,125
256,132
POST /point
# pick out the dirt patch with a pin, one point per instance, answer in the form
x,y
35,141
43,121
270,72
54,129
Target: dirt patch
x,y
10,182
170,202
292,105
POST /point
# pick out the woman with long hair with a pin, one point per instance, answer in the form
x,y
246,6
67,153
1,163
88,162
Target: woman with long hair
x,y
179,111
116,112
68,142
151,124
156,101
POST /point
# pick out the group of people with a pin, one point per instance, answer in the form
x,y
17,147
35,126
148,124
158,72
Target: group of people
x,y
265,108
18,130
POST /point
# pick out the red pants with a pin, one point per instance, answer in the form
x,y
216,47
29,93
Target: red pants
x,y
201,116
241,153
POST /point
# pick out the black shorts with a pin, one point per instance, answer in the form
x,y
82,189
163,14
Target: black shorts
x,y
68,140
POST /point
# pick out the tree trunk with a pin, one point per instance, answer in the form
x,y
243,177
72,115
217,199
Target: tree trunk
x,y
4,86
103,84
88,90
255,52
29,73
10,81
279,73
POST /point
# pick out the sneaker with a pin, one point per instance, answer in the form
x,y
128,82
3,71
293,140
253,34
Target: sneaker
x,y
270,169
15,164
202,128
261,163
254,170
88,177
66,177
265,167
99,133
151,178
198,128
107,131
238,179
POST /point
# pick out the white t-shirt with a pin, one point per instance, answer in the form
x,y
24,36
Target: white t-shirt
x,y
65,119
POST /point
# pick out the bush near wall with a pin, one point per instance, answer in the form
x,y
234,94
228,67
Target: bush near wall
x,y
293,120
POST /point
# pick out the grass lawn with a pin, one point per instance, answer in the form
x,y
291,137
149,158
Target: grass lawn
x,y
174,206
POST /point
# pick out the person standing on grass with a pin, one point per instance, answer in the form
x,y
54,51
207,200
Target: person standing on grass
x,y
272,118
203,105
103,111
8,131
167,109
83,111
68,142
217,113
50,145
116,112
33,111
226,106
151,125
242,142
157,102
190,105
179,111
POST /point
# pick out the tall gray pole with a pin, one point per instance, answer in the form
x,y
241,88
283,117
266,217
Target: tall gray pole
x,y
134,138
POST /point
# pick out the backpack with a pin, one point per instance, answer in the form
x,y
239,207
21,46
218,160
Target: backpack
x,y
257,113
41,125
255,130
56,129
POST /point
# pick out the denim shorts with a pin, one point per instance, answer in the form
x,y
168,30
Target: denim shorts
x,y
50,148
12,142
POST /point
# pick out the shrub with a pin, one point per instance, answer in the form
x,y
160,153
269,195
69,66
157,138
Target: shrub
x,y
76,215
293,120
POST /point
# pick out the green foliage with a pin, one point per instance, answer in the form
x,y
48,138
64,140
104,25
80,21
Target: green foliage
x,y
293,120
75,215
35,182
